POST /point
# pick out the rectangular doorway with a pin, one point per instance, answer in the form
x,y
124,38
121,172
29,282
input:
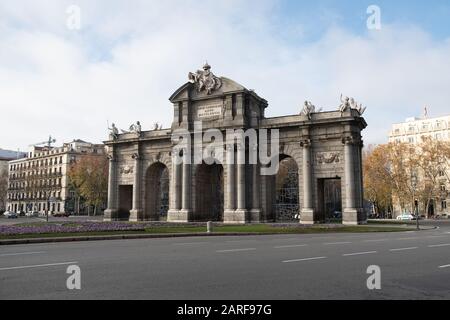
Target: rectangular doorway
x,y
125,201
329,200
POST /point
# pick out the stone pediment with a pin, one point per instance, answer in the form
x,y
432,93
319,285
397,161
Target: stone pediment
x,y
190,91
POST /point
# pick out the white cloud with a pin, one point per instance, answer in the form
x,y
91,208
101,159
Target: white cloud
x,y
127,60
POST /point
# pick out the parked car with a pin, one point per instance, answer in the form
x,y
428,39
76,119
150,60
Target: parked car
x,y
60,215
406,217
10,215
32,214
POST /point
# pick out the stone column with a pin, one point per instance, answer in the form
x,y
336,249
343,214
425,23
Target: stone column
x,y
136,211
241,211
349,174
350,215
174,212
230,185
256,194
186,209
307,212
112,210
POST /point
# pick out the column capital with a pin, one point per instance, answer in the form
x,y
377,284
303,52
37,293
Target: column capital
x,y
305,143
352,140
136,156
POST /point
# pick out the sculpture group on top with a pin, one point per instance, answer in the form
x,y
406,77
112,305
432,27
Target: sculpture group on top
x,y
350,103
205,80
308,109
346,104
135,128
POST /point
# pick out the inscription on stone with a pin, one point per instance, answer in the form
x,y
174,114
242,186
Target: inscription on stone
x,y
209,111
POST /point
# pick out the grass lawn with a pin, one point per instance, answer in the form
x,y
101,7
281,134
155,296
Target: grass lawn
x,y
250,228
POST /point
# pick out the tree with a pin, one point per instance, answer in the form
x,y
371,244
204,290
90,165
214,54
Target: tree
x,y
89,179
377,180
3,188
389,172
433,158
402,166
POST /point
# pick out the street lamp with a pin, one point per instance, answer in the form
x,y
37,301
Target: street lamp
x,y
414,186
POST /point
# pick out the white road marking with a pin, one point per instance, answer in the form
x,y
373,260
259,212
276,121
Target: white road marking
x,y
439,245
40,265
358,253
375,240
434,237
333,243
236,250
304,259
446,266
291,246
188,243
412,238
20,253
403,249
285,239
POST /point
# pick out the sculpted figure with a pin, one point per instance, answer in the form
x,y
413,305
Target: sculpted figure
x,y
350,103
113,132
205,80
157,126
136,128
345,104
308,108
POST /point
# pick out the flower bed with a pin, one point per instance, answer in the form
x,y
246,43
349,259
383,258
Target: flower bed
x,y
69,227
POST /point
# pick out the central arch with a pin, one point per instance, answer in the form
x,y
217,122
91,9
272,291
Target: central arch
x,y
209,184
286,205
156,200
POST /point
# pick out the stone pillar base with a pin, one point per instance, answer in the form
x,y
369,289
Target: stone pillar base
x,y
353,217
307,216
136,215
235,216
255,216
111,215
179,215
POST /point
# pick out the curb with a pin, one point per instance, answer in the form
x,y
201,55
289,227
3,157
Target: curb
x,y
125,237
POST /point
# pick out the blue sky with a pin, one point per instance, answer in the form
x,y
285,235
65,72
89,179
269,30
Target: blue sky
x,y
432,15
129,57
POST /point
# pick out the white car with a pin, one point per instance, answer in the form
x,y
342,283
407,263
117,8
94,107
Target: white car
x,y
32,214
10,215
405,216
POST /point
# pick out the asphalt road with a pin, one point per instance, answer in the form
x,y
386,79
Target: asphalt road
x,y
414,265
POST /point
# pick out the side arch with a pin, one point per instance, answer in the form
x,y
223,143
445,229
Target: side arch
x,y
156,192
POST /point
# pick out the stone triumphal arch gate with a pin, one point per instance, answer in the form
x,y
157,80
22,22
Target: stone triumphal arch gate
x,y
319,155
